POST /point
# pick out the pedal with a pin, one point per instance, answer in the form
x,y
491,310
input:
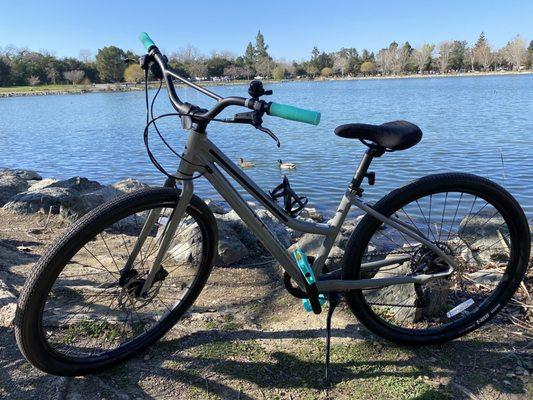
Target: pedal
x,y
307,304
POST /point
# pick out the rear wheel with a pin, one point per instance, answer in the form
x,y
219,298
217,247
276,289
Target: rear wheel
x,y
470,218
79,314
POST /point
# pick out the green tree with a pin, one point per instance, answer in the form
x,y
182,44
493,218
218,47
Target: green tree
x,y
279,72
458,59
405,57
110,63
483,52
311,70
179,68
368,67
261,49
326,72
530,54
321,60
216,65
249,55
367,56
133,73
5,72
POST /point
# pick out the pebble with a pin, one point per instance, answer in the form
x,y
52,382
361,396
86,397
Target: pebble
x,y
507,382
146,357
432,359
510,375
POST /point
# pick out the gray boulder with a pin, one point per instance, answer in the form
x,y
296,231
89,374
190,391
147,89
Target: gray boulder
x,y
26,174
14,181
129,185
71,197
37,185
217,207
230,249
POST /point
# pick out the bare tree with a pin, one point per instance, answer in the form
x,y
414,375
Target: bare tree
x,y
197,68
423,56
52,74
85,55
340,63
187,54
515,53
483,52
75,76
34,80
445,48
470,56
265,66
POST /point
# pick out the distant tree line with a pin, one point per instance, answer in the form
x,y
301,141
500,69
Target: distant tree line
x,y
109,65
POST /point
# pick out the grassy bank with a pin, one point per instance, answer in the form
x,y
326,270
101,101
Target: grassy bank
x,y
111,87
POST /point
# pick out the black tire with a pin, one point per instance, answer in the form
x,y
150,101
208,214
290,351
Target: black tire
x,y
29,330
519,233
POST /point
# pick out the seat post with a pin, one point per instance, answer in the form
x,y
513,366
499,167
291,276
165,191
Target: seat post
x,y
362,168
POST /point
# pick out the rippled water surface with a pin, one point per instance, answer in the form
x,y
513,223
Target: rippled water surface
x,y
482,125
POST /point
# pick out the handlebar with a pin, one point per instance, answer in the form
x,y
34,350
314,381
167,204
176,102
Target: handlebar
x,y
294,113
275,109
146,41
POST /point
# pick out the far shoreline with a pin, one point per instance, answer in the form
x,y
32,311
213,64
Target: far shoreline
x,y
23,91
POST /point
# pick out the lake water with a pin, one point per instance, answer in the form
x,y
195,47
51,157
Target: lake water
x,y
469,124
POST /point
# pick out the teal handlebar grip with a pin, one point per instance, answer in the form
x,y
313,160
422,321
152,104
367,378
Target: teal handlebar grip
x,y
294,113
146,41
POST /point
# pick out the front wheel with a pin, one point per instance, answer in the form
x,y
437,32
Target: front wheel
x,y
80,312
470,218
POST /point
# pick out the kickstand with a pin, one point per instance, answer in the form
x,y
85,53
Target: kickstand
x,y
334,300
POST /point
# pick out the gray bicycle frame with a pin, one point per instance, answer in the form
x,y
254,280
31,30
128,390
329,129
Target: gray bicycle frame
x,y
200,152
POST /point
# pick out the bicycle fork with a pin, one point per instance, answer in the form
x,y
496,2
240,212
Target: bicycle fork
x,y
185,171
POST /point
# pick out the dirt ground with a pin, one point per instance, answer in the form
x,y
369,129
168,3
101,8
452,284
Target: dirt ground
x,y
247,338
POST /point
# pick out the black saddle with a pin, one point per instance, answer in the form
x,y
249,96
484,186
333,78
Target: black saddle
x,y
395,135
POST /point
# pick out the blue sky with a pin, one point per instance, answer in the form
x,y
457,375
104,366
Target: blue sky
x,y
291,28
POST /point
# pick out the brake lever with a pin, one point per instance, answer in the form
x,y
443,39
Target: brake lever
x,y
269,133
253,118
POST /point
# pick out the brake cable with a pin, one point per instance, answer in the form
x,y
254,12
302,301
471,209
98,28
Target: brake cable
x,y
151,120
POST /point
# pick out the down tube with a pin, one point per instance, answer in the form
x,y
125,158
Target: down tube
x,y
259,229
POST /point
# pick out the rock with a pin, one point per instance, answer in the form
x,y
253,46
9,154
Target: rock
x,y
486,277
71,198
10,185
81,185
14,181
81,205
45,200
245,235
312,213
129,185
217,207
8,305
37,185
26,174
230,248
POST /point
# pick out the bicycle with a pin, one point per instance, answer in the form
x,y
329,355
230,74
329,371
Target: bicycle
x,y
428,263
